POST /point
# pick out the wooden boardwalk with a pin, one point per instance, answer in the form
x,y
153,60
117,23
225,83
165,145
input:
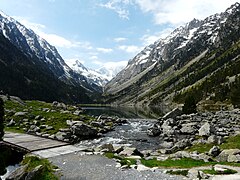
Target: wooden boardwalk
x,y
43,147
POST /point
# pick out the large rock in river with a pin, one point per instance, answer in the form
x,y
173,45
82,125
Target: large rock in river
x,y
83,130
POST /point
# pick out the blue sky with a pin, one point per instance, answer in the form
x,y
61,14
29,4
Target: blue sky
x,y
106,32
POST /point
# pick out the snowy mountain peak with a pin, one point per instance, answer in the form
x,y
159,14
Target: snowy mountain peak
x,y
195,23
196,35
78,66
99,76
42,53
93,77
233,8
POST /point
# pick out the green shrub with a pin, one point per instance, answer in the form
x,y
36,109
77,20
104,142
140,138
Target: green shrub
x,y
178,172
213,172
48,168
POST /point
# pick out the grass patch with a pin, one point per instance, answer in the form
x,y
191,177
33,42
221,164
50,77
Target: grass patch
x,y
48,169
13,129
201,148
178,172
53,116
232,142
181,163
123,160
213,172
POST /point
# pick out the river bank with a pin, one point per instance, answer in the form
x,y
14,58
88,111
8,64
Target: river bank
x,y
201,139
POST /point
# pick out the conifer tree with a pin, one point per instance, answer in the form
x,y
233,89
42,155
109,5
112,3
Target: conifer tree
x,y
1,119
190,105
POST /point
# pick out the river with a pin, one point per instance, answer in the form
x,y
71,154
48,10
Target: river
x,y
127,112
133,133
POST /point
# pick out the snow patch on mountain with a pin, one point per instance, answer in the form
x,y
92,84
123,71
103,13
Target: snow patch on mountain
x,y
201,33
100,76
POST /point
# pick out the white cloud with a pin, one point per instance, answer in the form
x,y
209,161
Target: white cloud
x,y
104,50
110,64
97,62
118,6
130,48
94,57
151,38
181,11
117,66
53,39
120,39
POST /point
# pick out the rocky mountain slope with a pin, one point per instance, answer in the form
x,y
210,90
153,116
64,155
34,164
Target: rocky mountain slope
x,y
93,76
99,76
28,57
200,58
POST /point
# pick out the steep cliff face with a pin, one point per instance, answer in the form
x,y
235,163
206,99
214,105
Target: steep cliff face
x,y
34,69
181,63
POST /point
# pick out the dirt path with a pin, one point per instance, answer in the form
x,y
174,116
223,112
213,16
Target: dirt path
x,y
96,167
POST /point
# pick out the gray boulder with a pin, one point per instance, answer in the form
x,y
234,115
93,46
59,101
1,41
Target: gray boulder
x,y
224,155
83,130
180,145
20,114
180,154
97,124
173,114
206,130
38,117
213,139
193,174
107,148
128,151
34,173
77,112
214,151
189,128
33,129
62,135
166,145
11,123
154,131
49,128
234,158
19,173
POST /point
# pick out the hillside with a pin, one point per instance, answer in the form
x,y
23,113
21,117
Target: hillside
x,y
20,75
200,58
33,69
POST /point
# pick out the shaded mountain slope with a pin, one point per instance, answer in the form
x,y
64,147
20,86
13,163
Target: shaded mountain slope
x,y
201,58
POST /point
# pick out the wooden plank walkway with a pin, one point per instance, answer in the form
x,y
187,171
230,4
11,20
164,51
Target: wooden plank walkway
x,y
40,146
31,142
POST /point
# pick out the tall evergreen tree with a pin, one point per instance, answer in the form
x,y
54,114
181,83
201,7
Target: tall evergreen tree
x,y
1,119
235,97
190,105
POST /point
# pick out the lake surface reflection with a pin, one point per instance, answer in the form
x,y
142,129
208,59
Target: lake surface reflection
x,y
127,112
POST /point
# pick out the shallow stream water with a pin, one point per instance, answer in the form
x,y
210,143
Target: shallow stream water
x,y
133,133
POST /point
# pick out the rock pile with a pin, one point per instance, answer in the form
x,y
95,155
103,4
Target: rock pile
x,y
176,132
42,124
79,130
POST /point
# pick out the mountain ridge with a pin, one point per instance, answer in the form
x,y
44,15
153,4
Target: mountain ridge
x,y
42,56
152,75
33,45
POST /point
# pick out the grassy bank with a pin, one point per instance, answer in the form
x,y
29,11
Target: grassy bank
x,y
40,113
